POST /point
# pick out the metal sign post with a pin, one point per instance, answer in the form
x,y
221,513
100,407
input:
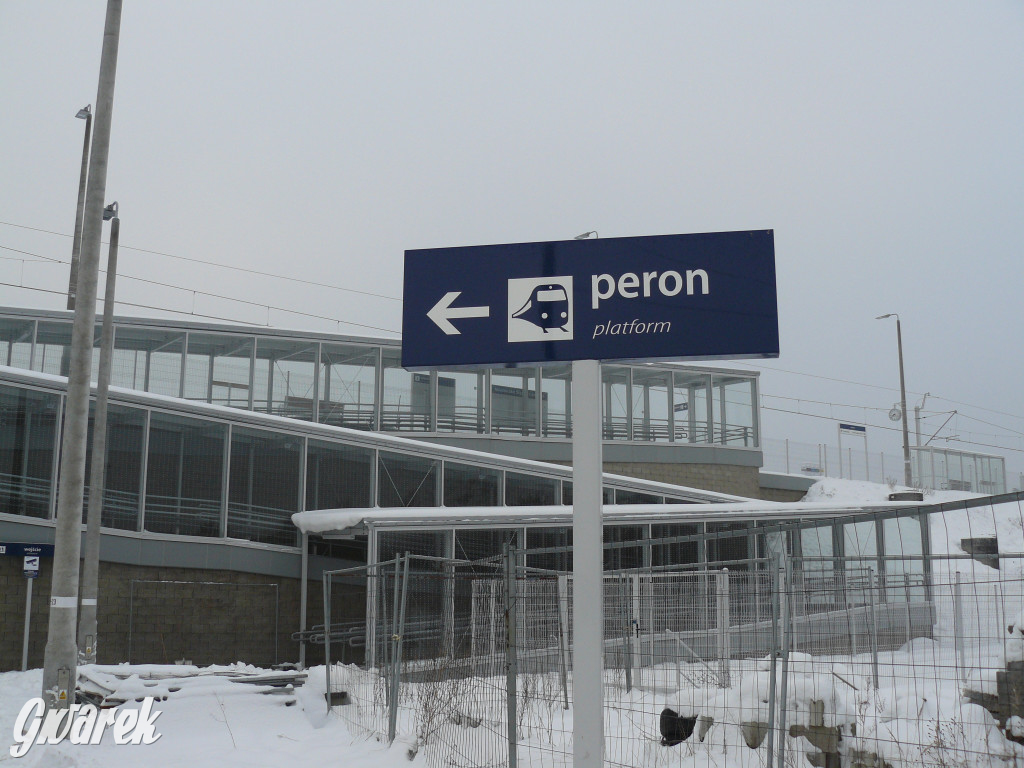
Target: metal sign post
x,y
707,296
859,431
31,568
587,567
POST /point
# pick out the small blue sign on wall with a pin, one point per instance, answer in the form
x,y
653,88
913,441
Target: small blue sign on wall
x,y
694,297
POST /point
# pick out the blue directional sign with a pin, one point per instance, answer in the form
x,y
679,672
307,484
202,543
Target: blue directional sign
x,y
697,297
25,549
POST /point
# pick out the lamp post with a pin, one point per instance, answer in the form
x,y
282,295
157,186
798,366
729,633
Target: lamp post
x,y
908,477
85,113
88,636
60,658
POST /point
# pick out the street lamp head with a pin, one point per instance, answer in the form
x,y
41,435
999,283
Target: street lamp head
x,y
882,317
586,235
110,212
84,112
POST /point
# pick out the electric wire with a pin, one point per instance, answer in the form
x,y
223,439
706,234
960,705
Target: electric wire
x,y
209,263
194,292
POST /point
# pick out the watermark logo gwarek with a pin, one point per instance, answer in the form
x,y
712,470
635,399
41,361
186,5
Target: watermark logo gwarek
x,y
82,724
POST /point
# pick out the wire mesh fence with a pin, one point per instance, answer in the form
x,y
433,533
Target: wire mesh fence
x,y
898,660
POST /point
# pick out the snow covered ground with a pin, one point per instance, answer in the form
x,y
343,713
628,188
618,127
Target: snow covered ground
x,y
207,722
916,717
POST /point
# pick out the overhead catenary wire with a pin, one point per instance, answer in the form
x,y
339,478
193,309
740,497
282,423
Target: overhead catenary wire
x,y
195,291
209,263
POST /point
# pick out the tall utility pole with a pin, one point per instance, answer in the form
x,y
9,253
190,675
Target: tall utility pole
x,y
85,113
88,637
60,665
908,476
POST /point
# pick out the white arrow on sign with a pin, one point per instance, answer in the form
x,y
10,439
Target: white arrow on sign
x,y
443,312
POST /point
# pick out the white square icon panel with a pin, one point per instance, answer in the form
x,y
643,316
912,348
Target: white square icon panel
x,y
540,309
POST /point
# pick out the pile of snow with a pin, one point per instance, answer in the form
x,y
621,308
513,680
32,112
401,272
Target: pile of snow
x,y
838,491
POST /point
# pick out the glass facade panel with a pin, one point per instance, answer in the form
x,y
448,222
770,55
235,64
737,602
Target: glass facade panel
x,y
676,553
53,349
284,379
623,557
122,484
902,536
391,544
461,405
615,394
514,401
408,397
348,386
549,538
860,540
147,359
476,544
406,481
635,497
28,438
218,369
733,398
338,476
264,486
184,475
690,407
651,405
469,486
526,490
16,342
556,400
816,543
729,548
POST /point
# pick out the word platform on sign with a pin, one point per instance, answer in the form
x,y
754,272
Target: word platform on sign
x,y
665,297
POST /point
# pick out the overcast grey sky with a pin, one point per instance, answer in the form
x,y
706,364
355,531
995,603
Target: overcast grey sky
x,y
883,142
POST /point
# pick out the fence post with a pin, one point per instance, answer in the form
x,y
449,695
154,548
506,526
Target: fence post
x,y
493,603
327,635
511,666
448,613
396,639
958,628
774,565
873,638
906,592
562,595
724,651
627,630
787,639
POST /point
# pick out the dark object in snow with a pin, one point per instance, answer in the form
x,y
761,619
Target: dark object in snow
x,y
337,698
984,549
675,729
907,496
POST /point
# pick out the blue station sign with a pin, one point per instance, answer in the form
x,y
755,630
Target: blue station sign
x,y
694,297
25,549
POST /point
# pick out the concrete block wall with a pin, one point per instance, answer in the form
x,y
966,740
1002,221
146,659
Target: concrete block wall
x,y
723,478
208,616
